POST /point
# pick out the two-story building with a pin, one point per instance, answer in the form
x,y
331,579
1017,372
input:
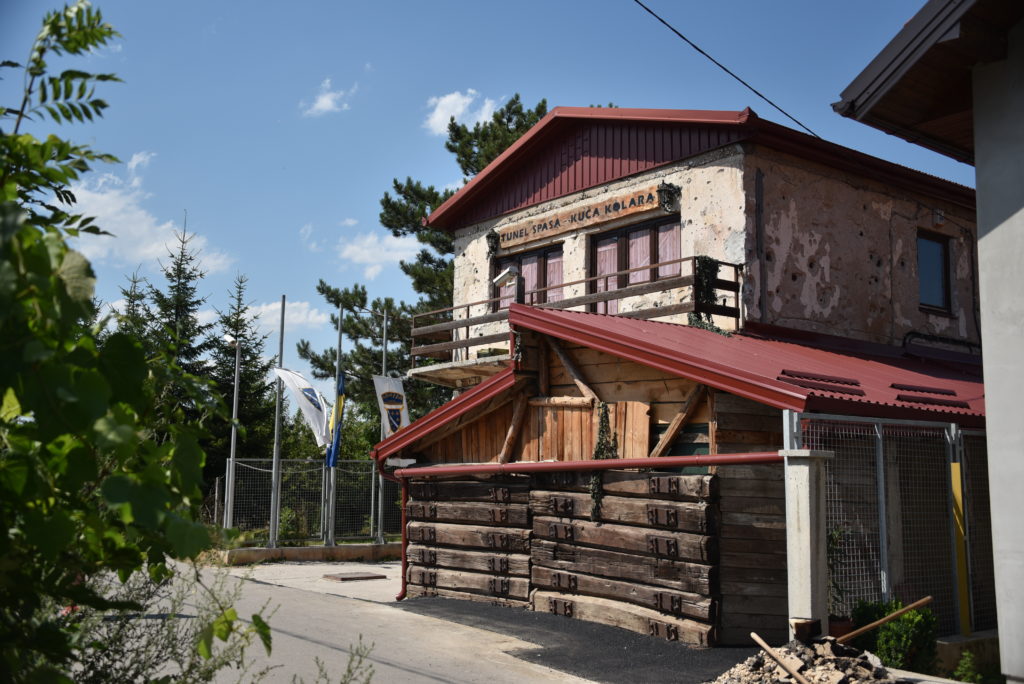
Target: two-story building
x,y
683,285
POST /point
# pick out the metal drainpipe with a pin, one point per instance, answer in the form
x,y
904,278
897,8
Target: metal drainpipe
x,y
400,476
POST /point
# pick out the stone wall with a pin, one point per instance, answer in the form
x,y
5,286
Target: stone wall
x,y
840,254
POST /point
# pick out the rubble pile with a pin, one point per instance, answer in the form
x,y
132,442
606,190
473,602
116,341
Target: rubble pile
x,y
822,662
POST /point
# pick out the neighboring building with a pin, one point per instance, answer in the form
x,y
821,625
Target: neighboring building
x,y
845,286
952,80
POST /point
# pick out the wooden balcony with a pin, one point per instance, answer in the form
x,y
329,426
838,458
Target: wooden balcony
x,y
463,345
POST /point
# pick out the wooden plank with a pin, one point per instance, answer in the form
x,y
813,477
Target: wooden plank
x,y
547,402
648,391
544,379
470,582
749,437
732,588
753,504
761,561
417,591
482,561
755,605
496,491
730,403
687,604
508,515
745,421
514,428
729,545
663,572
661,543
738,636
755,575
696,517
681,419
428,349
570,368
626,616
750,472
495,538
753,622
753,488
651,485
749,532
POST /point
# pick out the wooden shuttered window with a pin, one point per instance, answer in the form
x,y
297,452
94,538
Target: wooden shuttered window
x,y
614,256
539,270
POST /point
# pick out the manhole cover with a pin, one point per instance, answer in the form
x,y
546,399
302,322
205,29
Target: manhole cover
x,y
354,576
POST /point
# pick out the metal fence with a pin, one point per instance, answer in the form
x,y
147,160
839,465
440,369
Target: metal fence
x,y
890,514
365,505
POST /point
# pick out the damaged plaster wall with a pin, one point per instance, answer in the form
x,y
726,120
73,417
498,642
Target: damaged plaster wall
x,y
840,254
712,221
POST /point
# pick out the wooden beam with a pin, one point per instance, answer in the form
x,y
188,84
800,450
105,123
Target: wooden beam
x,y
518,414
544,379
571,369
539,402
690,405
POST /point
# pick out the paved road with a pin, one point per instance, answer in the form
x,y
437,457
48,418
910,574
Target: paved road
x,y
439,640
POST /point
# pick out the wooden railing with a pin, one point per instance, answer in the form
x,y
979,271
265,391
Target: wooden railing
x,y
445,334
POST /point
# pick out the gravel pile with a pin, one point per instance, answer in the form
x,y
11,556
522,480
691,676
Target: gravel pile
x,y
821,662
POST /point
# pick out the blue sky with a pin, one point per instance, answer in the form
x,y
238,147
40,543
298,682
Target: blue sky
x,y
278,126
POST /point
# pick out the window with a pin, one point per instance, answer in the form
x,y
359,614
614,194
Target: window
x,y
539,270
933,271
632,248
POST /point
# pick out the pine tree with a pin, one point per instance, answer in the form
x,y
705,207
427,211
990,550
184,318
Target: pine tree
x,y
135,317
256,395
431,272
176,325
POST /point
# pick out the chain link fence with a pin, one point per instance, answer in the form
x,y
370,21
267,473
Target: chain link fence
x,y
359,513
890,514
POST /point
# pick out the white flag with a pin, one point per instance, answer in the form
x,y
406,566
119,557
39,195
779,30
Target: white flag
x,y
310,401
394,414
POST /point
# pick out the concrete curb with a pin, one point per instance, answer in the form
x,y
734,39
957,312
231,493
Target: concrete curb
x,y
343,552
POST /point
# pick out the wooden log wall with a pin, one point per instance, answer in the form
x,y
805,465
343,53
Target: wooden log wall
x,y
470,539
752,532
648,563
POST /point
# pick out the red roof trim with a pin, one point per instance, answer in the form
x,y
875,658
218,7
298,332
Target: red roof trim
x,y
610,341
460,405
761,131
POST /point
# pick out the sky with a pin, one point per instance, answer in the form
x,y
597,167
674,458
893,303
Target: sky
x,y
275,128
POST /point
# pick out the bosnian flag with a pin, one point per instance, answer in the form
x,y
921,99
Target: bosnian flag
x,y
394,413
310,401
334,426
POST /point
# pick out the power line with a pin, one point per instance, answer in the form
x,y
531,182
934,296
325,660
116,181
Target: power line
x,y
725,69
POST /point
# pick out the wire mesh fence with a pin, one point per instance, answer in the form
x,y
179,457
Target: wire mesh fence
x,y
358,510
890,515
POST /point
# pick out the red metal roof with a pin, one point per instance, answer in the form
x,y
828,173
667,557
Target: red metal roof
x,y
575,148
786,375
460,405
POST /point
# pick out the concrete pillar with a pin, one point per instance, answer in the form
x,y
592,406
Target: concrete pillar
x,y
806,562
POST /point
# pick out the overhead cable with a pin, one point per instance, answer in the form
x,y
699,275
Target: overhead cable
x,y
725,69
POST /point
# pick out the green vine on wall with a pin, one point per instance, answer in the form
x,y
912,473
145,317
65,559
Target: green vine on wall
x,y
607,446
705,273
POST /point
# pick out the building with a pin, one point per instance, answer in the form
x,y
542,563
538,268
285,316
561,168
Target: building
x,y
710,284
952,80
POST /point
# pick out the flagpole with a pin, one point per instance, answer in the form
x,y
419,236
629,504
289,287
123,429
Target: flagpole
x,y
275,479
332,492
380,480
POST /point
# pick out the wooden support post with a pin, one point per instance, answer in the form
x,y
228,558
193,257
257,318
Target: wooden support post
x,y
690,405
544,377
571,369
518,414
578,402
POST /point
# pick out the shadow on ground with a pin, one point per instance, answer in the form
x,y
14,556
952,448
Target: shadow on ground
x,y
587,649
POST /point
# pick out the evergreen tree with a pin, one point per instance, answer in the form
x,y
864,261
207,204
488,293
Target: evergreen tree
x,y
256,395
176,325
135,317
432,272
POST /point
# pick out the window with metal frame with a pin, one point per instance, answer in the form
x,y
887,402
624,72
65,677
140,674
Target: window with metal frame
x,y
539,269
933,271
655,244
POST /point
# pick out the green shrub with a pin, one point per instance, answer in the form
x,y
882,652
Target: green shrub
x,y
967,669
908,642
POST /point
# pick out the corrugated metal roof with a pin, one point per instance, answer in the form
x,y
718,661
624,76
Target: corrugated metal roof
x,y
778,373
575,148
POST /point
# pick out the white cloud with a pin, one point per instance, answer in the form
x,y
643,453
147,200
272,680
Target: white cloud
x,y
327,100
139,160
458,105
348,222
374,251
297,315
306,233
206,316
139,237
368,67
